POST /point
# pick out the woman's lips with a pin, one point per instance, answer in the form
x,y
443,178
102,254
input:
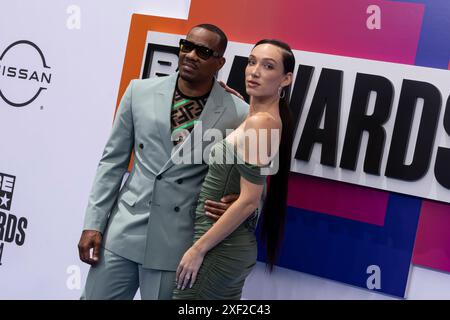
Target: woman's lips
x,y
252,84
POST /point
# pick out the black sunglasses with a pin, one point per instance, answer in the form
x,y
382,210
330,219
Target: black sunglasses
x,y
202,52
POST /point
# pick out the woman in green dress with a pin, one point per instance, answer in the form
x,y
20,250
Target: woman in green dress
x,y
224,251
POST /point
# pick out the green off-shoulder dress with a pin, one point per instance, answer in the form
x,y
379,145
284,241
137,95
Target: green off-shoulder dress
x,y
225,267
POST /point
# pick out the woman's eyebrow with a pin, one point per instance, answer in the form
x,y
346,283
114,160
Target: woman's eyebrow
x,y
264,59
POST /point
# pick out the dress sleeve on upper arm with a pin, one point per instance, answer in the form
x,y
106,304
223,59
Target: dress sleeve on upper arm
x,y
251,173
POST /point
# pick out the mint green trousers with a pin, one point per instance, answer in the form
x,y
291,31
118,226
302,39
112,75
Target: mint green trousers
x,y
117,278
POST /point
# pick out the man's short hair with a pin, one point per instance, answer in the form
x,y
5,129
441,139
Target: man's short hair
x,y
223,38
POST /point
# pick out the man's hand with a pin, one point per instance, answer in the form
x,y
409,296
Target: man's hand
x,y
90,239
232,91
215,210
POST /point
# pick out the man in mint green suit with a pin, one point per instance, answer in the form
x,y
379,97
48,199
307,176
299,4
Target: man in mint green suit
x,y
139,232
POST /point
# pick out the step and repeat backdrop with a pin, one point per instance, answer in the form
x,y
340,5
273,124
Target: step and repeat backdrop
x,y
369,191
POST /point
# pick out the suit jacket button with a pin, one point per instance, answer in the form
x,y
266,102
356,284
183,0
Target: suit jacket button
x,y
180,181
158,177
176,209
141,146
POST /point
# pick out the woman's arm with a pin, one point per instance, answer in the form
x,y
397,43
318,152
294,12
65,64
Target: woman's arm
x,y
246,204
236,214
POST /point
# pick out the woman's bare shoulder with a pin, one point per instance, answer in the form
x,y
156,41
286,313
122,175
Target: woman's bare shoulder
x,y
262,120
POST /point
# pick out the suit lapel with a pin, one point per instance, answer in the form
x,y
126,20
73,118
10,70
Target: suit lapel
x,y
163,106
211,113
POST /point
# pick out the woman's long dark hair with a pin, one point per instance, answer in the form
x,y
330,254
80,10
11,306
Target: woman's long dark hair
x,y
274,209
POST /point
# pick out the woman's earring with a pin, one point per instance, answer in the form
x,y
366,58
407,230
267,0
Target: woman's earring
x,y
281,92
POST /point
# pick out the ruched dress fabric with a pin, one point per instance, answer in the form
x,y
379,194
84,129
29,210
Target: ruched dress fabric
x,y
226,266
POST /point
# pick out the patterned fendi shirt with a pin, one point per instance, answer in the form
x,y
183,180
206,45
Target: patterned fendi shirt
x,y
185,113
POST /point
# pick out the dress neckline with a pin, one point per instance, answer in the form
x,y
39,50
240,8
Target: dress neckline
x,y
233,148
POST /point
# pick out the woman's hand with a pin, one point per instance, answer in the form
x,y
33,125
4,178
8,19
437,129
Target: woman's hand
x,y
188,268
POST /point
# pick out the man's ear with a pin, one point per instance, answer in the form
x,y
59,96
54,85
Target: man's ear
x,y
221,63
